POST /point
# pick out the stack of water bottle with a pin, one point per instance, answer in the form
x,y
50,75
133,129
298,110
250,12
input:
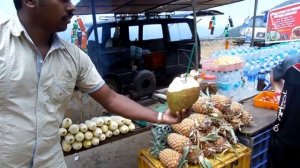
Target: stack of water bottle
x,y
255,75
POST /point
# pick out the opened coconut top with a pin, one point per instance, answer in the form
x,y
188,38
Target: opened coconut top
x,y
181,83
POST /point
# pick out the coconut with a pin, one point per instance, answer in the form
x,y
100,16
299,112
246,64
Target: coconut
x,y
182,93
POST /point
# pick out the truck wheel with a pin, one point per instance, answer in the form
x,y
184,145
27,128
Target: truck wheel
x,y
144,82
113,84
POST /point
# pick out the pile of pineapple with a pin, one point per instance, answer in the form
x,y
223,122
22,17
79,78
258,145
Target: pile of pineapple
x,y
209,130
92,132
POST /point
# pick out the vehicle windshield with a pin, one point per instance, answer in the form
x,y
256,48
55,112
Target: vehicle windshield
x,y
258,23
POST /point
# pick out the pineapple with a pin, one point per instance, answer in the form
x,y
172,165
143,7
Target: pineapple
x,y
170,158
178,142
194,153
185,127
225,130
203,121
220,145
217,117
203,105
216,113
236,123
208,149
221,102
236,108
246,118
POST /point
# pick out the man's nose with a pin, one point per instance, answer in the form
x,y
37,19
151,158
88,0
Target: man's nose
x,y
70,7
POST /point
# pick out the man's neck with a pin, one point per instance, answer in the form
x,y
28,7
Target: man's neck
x,y
40,37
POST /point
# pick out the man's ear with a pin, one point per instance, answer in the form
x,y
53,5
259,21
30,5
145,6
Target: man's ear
x,y
30,3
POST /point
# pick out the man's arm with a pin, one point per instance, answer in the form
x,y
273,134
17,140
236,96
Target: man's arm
x,y
126,107
277,85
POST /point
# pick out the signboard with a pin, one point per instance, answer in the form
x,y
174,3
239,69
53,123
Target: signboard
x,y
283,24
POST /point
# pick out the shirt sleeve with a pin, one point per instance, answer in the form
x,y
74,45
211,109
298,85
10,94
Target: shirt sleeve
x,y
88,80
278,71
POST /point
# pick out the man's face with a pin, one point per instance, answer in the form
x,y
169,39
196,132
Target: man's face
x,y
54,15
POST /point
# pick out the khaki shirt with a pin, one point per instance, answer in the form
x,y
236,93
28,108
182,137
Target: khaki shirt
x,y
34,94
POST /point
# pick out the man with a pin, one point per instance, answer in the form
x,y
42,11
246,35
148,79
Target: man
x,y
284,147
38,72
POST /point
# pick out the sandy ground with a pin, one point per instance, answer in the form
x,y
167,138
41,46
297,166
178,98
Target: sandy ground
x,y
210,46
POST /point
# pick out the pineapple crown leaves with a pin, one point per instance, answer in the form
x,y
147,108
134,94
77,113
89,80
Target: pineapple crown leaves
x,y
215,116
234,137
204,162
229,129
157,147
183,161
159,130
205,94
210,137
160,134
232,147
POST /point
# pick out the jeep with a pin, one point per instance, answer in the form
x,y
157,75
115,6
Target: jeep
x,y
137,56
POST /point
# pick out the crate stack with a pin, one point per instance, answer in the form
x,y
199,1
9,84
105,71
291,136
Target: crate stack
x,y
259,144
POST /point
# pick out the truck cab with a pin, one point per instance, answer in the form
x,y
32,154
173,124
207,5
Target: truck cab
x,y
260,30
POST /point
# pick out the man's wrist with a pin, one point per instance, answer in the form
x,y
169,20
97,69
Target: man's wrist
x,y
160,117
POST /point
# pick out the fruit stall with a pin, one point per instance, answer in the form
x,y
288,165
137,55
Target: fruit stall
x,y
228,129
136,147
230,125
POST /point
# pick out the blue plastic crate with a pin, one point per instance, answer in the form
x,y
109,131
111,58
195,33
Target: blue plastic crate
x,y
259,145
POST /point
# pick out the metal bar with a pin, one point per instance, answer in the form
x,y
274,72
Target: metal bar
x,y
254,22
195,34
94,21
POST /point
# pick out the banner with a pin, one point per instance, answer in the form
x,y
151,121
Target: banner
x,y
283,24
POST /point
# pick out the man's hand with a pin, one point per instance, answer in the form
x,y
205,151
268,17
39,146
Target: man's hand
x,y
278,96
169,118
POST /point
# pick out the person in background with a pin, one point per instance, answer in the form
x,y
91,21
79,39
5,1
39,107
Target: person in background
x,y
38,73
284,149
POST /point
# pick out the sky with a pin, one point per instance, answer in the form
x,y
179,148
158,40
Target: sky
x,y
238,12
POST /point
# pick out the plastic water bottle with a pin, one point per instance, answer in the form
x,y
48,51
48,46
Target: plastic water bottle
x,y
225,84
246,70
256,70
251,79
236,83
268,73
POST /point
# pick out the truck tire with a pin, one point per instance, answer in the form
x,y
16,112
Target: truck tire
x,y
144,82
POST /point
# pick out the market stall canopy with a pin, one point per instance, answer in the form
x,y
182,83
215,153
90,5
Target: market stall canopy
x,y
143,6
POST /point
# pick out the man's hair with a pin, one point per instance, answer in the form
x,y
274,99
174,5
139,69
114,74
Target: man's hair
x,y
18,4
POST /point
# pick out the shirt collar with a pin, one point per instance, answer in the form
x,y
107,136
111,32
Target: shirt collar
x,y
16,26
17,29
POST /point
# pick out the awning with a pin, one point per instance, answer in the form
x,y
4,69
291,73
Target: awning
x,y
146,6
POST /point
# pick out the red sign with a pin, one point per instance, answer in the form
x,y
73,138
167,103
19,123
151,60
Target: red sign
x,y
283,24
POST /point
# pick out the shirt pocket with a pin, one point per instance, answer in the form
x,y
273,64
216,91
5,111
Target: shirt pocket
x,y
62,90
